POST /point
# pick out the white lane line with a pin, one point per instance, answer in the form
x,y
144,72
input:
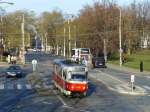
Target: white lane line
x,y
47,86
147,77
84,111
47,102
1,86
147,87
28,86
19,86
37,86
66,106
62,101
111,76
10,86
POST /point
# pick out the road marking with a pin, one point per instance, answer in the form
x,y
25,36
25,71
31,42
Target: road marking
x,y
28,86
47,86
147,87
10,86
147,77
19,86
66,106
84,111
110,76
62,101
47,102
37,86
1,86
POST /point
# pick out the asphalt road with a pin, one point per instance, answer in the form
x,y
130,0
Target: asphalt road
x,y
35,93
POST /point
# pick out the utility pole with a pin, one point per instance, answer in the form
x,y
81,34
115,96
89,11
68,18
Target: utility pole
x,y
42,43
64,41
120,43
23,47
29,40
69,38
105,51
46,41
75,41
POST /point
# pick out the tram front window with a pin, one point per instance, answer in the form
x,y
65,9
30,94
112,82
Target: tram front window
x,y
78,77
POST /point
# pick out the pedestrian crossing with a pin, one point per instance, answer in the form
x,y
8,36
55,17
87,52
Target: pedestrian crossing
x,y
19,86
147,87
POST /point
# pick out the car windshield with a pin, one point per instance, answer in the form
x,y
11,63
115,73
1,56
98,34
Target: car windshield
x,y
14,68
78,77
99,59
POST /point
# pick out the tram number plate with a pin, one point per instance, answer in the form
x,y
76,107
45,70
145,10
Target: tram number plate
x,y
78,87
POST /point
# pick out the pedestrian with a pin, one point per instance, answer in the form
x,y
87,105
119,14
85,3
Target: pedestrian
x,y
8,59
77,60
15,59
12,59
123,59
85,62
86,72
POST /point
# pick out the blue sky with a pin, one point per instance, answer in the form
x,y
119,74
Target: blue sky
x,y
67,6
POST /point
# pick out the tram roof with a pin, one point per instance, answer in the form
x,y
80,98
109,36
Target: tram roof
x,y
66,62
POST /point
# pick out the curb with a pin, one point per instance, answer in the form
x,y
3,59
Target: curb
x,y
135,93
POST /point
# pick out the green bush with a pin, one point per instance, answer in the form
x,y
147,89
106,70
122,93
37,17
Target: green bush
x,y
114,56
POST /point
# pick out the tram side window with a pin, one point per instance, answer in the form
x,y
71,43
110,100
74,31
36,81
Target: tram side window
x,y
69,75
59,70
64,74
54,68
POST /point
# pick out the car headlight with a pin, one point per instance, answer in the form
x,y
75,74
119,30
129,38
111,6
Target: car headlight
x,y
8,72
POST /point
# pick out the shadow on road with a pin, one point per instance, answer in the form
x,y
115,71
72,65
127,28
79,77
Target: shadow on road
x,y
91,88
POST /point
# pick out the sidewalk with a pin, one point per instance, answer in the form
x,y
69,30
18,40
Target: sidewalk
x,y
114,84
127,69
4,64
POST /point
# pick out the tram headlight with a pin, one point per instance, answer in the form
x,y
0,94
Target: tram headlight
x,y
83,87
72,87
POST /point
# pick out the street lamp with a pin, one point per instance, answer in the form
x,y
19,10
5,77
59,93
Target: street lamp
x,y
69,19
64,41
23,45
120,43
69,38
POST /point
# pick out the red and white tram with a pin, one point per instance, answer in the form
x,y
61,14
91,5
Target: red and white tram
x,y
70,78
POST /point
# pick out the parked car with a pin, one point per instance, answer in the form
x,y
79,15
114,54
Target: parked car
x,y
98,62
14,71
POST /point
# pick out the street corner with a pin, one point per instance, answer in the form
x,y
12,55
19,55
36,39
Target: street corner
x,y
128,90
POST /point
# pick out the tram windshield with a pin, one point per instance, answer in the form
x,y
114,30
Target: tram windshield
x,y
78,69
78,77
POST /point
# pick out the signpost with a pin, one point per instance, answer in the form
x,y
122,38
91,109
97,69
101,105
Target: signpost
x,y
132,81
34,64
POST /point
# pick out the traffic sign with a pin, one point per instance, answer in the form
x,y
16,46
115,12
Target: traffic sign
x,y
132,78
34,63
